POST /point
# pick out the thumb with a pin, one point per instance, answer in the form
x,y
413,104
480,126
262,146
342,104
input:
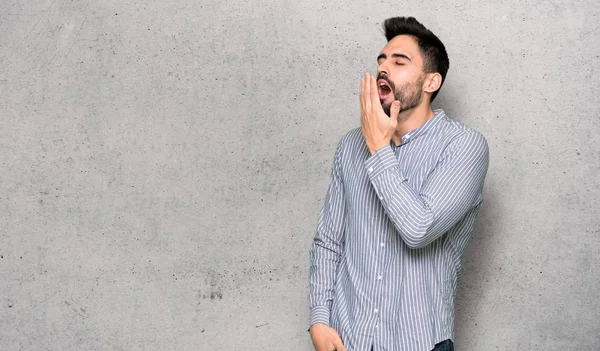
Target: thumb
x,y
395,110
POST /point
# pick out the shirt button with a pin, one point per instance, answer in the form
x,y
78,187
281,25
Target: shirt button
x,y
382,244
375,310
370,169
379,277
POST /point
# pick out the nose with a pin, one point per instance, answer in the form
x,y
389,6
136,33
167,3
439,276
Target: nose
x,y
382,68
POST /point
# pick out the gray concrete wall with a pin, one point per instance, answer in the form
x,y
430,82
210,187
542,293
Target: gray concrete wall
x,y
163,165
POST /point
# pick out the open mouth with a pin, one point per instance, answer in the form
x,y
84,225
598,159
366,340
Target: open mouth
x,y
383,88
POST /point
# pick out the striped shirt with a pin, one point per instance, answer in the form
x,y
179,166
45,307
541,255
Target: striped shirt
x,y
386,257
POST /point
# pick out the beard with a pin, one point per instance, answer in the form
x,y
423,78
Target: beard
x,y
409,94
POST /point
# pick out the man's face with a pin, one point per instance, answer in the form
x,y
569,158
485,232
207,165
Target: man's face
x,y
400,73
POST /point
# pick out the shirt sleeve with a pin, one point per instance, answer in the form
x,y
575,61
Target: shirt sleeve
x,y
450,191
327,245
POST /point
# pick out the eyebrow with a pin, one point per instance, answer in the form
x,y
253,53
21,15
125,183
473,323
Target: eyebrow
x,y
383,56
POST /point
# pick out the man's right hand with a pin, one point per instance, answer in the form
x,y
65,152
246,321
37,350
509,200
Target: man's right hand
x,y
325,338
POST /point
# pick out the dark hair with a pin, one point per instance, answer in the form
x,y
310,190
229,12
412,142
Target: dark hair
x,y
435,57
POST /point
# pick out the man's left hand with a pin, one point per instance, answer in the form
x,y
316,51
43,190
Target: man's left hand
x,y
377,127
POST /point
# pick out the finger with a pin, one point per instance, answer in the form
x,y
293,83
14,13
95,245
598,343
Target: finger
x,y
367,92
338,344
395,111
329,347
362,95
374,93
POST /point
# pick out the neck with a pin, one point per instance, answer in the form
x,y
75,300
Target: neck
x,y
412,119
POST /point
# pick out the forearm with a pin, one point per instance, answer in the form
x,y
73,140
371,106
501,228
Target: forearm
x,y
451,190
324,259
410,214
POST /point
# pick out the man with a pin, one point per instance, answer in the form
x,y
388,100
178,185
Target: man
x,y
405,191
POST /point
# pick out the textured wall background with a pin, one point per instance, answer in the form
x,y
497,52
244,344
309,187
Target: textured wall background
x,y
163,165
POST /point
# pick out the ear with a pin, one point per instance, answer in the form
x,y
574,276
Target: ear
x,y
433,81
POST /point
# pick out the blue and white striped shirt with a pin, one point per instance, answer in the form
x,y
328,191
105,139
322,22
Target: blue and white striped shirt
x,y
386,256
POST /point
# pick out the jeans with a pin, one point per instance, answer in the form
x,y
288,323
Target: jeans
x,y
446,345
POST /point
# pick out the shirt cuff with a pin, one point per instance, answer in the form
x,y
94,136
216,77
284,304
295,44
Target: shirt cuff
x,y
319,314
380,161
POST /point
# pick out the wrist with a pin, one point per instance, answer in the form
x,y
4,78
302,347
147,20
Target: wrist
x,y
373,149
317,326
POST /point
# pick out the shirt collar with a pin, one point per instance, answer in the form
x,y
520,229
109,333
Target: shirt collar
x,y
430,124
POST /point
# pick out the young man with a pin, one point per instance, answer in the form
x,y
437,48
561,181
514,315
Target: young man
x,y
406,188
